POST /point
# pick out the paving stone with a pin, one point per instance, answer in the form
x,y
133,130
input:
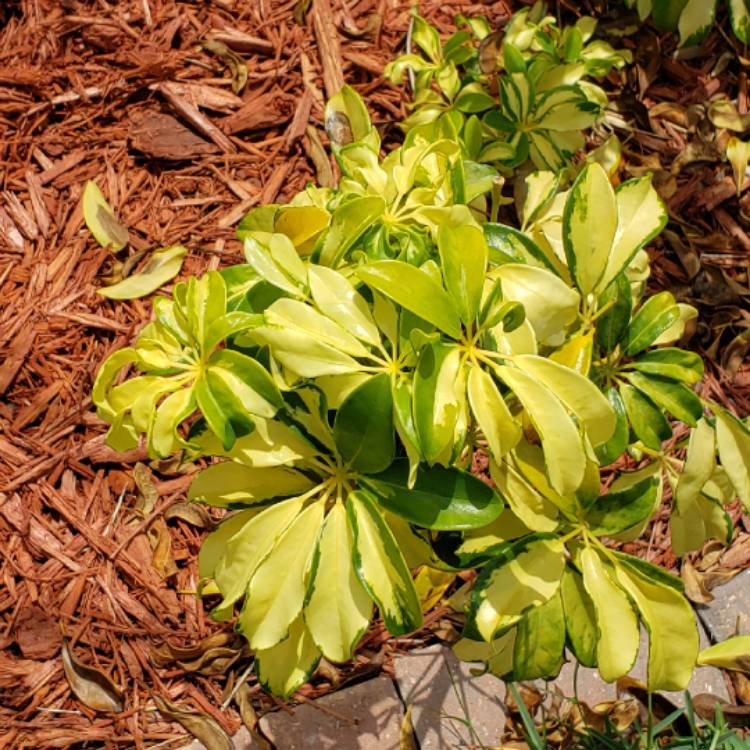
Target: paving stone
x,y
446,697
364,717
241,741
592,689
729,610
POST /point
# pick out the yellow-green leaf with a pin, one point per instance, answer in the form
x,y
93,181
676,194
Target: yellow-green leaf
x,y
230,483
338,609
524,576
381,567
577,392
100,219
492,414
285,667
670,620
733,440
562,445
734,654
616,621
250,544
161,267
589,225
277,589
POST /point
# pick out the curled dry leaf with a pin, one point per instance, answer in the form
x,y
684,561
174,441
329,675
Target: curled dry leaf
x,y
168,654
161,544
147,489
249,718
319,158
200,725
234,62
215,661
93,688
695,586
192,513
161,267
100,219
705,706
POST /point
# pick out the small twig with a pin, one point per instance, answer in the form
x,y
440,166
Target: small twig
x,y
240,681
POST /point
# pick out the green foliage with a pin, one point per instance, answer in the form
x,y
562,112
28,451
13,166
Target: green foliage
x,y
378,334
693,19
540,72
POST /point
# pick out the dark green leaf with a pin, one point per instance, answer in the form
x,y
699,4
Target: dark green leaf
x,y
648,423
610,451
612,324
619,511
363,428
675,398
653,318
440,498
580,617
540,640
671,362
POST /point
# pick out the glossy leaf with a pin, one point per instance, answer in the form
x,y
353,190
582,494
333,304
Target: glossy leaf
x,y
618,511
580,617
286,666
249,545
435,398
540,641
463,254
654,317
229,483
338,609
363,428
676,398
440,498
648,423
733,440
616,620
670,620
526,574
273,602
589,226
671,363
561,442
612,324
381,567
414,290
500,429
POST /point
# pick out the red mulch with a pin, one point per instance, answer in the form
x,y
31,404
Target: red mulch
x,y
123,93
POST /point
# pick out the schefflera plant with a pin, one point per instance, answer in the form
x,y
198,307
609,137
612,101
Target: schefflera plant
x,y
325,505
562,584
362,380
512,95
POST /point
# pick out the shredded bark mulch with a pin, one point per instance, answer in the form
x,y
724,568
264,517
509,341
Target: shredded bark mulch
x,y
138,95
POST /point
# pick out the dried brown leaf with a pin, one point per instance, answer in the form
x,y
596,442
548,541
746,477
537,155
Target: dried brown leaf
x,y
161,544
233,61
191,513
148,494
92,687
199,724
695,585
244,703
